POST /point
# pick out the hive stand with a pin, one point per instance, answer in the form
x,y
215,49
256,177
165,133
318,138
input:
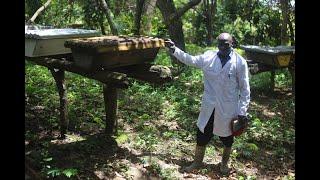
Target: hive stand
x,y
112,82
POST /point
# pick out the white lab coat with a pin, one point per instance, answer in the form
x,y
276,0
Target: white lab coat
x,y
226,89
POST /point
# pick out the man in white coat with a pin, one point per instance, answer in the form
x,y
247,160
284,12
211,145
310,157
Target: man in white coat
x,y
226,95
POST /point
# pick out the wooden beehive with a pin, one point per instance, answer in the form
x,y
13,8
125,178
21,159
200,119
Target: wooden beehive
x,y
48,42
280,56
113,51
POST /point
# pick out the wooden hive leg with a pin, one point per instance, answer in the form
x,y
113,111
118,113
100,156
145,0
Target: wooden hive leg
x,y
110,99
58,76
292,72
273,73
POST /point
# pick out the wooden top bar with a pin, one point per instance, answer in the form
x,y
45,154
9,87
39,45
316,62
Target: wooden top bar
x,y
115,43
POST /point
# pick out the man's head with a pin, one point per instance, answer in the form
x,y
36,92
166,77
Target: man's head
x,y
225,42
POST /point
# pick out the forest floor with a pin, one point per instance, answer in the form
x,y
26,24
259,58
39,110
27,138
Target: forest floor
x,y
152,150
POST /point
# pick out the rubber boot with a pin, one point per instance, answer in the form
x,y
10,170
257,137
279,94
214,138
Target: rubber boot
x,y
198,158
224,169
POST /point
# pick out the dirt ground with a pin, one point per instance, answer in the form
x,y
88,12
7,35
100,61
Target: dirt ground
x,y
97,156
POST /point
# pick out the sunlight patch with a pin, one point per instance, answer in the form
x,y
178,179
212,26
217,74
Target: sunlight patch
x,y
70,138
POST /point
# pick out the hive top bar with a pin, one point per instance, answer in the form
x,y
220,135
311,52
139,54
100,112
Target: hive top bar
x,y
116,43
270,50
59,33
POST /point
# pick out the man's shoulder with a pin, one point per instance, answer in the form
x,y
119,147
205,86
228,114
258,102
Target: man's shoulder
x,y
211,52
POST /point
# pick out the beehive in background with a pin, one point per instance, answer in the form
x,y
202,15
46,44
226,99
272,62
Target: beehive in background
x,y
49,42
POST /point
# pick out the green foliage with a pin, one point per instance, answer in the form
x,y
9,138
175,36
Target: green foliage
x,y
67,172
60,13
243,148
124,23
167,174
122,137
93,15
70,172
250,21
54,172
31,6
262,81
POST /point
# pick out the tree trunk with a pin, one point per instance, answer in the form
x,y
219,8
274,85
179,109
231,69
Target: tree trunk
x,y
174,27
137,18
103,31
175,31
209,11
292,41
290,20
150,6
273,74
284,29
172,19
105,7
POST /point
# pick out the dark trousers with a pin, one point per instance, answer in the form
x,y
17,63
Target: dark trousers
x,y
204,138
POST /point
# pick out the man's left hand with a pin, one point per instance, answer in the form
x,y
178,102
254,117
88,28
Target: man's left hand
x,y
243,119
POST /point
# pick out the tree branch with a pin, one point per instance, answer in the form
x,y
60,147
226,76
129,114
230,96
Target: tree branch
x,y
185,8
39,11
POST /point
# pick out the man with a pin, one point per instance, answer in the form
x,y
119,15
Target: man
x,y
226,95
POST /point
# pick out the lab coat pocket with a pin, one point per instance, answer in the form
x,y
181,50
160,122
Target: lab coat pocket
x,y
229,109
230,87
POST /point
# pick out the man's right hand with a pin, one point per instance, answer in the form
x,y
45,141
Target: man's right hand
x,y
170,46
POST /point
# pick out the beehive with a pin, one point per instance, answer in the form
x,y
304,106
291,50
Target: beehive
x,y
280,56
113,51
48,42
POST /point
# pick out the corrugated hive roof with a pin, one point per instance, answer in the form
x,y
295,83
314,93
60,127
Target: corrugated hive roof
x,y
59,33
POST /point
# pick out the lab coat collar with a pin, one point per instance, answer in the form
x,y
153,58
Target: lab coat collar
x,y
228,62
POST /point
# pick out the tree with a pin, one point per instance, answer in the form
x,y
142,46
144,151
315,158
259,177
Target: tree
x,y
285,22
173,22
290,20
149,10
109,17
137,19
172,19
209,13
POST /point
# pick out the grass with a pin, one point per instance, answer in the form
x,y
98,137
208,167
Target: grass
x,y
158,120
